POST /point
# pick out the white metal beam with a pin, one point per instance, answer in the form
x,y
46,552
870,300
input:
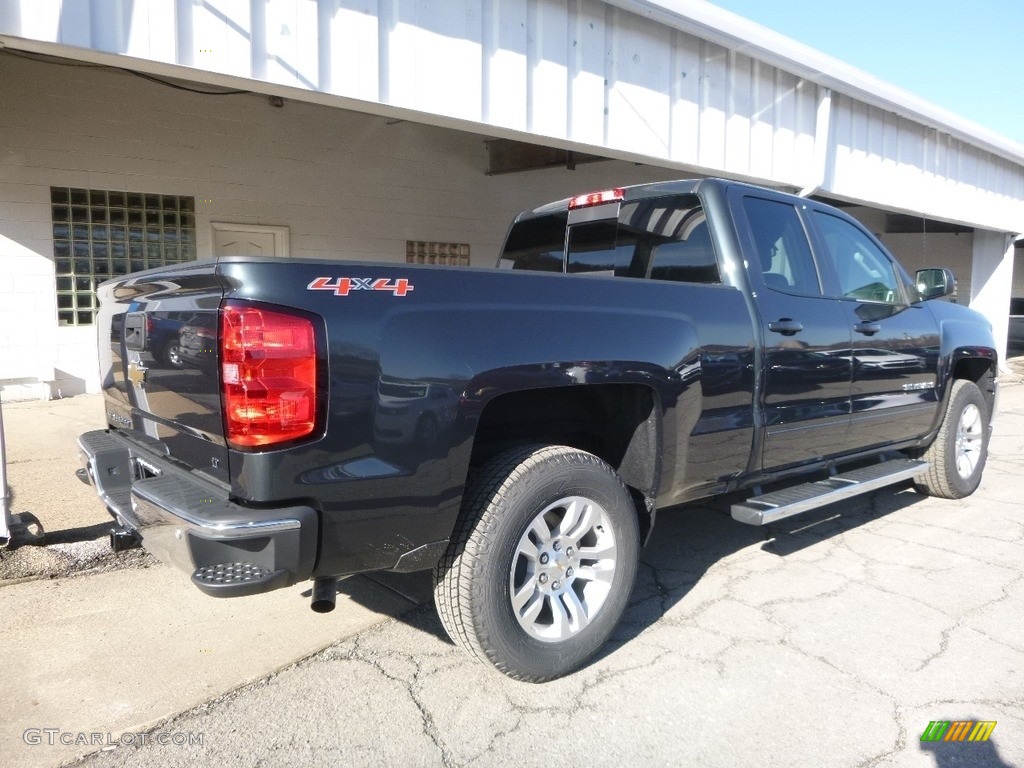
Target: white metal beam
x,y
992,282
822,144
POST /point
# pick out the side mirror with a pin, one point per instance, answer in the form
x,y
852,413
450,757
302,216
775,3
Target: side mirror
x,y
935,283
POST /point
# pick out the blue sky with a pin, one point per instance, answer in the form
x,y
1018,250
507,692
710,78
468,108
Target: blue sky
x,y
966,57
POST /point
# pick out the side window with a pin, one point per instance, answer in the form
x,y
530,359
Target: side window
x,y
663,238
689,259
781,245
863,269
536,244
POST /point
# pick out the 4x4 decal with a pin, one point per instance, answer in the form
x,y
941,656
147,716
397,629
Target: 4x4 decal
x,y
342,286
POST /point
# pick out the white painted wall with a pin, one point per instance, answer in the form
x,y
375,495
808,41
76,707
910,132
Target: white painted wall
x,y
991,279
676,83
1018,273
347,185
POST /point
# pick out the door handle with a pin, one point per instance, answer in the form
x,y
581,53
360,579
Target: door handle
x,y
787,326
868,329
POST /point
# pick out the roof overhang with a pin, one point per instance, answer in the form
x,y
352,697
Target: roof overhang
x,y
707,21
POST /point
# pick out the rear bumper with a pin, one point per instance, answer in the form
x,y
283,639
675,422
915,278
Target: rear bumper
x,y
188,521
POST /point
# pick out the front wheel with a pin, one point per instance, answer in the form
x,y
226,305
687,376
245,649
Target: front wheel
x,y
541,564
957,455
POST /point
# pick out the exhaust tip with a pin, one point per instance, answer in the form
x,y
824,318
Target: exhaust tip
x,y
325,591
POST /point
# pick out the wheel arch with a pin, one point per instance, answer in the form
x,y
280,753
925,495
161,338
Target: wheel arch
x,y
967,350
977,364
619,423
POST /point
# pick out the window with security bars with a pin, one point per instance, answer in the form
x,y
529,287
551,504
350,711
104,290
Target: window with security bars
x,y
99,234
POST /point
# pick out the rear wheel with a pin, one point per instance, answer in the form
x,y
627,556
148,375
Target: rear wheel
x,y
542,562
957,455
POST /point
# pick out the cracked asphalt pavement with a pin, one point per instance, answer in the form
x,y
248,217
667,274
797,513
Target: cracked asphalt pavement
x,y
830,639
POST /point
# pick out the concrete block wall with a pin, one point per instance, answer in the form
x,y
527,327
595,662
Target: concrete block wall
x,y
945,250
916,251
347,185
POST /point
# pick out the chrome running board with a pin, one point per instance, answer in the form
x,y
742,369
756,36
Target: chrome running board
x,y
769,507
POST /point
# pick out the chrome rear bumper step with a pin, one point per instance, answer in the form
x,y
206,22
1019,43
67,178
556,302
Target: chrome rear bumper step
x,y
769,507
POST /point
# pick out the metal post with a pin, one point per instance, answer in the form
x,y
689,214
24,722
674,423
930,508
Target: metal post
x,y
14,529
5,496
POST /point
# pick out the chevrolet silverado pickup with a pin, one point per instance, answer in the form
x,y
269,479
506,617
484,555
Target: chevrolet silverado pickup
x,y
516,428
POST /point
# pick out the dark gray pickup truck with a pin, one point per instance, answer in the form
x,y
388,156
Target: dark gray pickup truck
x,y
516,429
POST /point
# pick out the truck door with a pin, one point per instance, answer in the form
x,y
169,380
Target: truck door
x,y
895,347
807,368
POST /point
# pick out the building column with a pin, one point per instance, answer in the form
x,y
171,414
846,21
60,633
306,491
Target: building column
x,y
992,282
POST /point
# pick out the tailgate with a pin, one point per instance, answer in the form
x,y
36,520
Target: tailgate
x,y
158,362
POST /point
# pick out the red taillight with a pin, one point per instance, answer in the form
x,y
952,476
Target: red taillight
x,y
596,198
268,374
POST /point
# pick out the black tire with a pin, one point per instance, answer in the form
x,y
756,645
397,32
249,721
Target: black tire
x,y
958,454
494,560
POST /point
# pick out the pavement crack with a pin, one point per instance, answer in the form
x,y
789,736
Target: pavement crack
x,y
943,647
945,550
430,729
356,652
492,744
1009,704
608,675
899,746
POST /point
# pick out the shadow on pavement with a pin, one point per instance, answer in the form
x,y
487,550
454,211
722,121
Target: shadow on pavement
x,y
75,535
965,754
687,541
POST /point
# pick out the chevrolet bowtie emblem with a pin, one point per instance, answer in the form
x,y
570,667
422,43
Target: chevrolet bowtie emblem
x,y
137,374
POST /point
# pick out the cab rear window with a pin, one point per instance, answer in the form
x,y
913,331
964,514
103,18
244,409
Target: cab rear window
x,y
536,244
663,238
